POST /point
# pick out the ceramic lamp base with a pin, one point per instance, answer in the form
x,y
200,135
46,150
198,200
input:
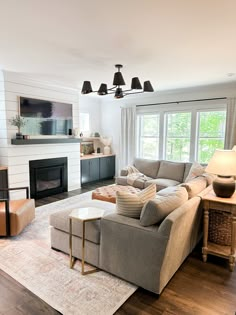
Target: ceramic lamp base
x,y
224,186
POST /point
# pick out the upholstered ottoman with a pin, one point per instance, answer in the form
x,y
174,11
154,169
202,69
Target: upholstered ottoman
x,y
59,222
108,193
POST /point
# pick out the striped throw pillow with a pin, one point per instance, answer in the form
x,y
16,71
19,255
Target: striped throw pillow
x,y
130,205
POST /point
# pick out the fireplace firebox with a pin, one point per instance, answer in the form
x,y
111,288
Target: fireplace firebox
x,y
48,177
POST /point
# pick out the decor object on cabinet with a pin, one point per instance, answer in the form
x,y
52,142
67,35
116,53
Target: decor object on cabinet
x,y
106,141
75,132
18,122
118,81
223,164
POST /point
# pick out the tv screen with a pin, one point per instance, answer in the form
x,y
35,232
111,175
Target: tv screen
x,y
45,117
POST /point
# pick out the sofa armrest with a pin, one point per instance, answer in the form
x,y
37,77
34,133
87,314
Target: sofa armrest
x,y
184,228
124,172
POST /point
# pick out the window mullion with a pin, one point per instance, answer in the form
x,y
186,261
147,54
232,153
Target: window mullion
x,y
162,132
193,136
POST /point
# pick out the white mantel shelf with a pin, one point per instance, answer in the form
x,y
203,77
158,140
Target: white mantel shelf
x,y
44,141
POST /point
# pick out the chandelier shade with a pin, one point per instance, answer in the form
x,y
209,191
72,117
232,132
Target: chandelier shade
x,y
118,81
103,89
135,84
119,93
147,86
87,88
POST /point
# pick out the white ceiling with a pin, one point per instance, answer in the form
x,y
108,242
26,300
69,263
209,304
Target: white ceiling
x,y
173,43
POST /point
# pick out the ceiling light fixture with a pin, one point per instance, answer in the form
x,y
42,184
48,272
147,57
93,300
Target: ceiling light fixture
x,y
118,81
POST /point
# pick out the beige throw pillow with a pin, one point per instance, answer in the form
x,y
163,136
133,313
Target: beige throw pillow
x,y
130,205
195,186
165,202
195,170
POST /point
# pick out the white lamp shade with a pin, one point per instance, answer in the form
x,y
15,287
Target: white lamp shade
x,y
223,163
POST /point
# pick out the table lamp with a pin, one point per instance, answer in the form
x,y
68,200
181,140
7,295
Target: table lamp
x,y
223,164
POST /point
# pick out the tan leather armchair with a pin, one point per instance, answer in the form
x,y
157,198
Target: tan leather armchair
x,y
15,215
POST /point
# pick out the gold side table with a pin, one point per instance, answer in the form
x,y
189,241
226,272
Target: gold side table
x,y
212,202
84,215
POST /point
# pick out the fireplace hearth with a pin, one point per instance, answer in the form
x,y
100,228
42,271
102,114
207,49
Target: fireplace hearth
x,y
48,177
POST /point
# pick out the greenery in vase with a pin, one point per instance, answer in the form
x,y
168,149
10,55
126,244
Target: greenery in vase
x,y
17,121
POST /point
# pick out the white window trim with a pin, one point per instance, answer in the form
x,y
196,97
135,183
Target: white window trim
x,y
193,107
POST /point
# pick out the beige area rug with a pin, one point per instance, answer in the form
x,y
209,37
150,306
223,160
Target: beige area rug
x,y
29,259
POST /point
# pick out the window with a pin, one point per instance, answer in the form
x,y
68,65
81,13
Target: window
x,y
178,136
148,126
211,133
181,132
84,122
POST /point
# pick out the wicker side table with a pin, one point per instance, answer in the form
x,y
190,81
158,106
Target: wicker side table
x,y
226,205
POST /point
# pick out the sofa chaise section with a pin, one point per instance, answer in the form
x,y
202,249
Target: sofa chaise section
x,y
149,256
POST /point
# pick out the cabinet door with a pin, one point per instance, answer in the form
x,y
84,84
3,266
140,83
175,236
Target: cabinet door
x,y
84,171
94,169
89,170
3,184
107,167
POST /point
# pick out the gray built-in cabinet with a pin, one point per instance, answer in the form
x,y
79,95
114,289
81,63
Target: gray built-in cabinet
x,y
96,169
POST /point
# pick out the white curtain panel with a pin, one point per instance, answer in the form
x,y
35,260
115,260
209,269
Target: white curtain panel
x,y
230,132
128,136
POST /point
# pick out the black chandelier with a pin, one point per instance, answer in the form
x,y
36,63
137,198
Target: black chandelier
x,y
118,81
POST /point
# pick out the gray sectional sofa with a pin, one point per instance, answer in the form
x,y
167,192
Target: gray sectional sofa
x,y
142,252
160,172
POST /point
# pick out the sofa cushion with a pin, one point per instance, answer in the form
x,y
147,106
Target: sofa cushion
x,y
195,186
131,205
171,170
147,167
195,170
165,202
161,183
60,220
121,180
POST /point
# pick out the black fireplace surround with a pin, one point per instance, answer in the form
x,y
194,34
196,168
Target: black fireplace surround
x,y
48,177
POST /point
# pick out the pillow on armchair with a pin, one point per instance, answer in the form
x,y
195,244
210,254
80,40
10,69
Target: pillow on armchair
x,y
130,205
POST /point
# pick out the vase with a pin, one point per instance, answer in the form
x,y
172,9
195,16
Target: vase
x,y
107,150
19,135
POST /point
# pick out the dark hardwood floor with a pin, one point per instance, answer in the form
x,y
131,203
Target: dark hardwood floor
x,y
197,288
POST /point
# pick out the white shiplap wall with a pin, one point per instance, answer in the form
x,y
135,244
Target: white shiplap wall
x,y
17,157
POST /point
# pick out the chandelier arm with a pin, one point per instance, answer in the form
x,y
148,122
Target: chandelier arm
x,y
133,92
112,88
128,90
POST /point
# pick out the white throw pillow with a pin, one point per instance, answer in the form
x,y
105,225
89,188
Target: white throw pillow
x,y
195,170
130,205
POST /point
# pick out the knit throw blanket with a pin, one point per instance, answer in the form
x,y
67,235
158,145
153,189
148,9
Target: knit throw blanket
x,y
134,174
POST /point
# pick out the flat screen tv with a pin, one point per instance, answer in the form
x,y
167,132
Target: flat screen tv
x,y
45,117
